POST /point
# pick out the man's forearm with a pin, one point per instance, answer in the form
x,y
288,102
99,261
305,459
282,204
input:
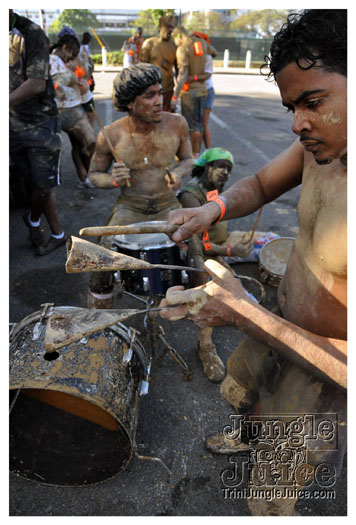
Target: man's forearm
x,y
244,197
181,79
323,357
183,168
101,180
29,89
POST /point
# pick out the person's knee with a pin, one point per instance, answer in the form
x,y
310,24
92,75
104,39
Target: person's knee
x,y
42,193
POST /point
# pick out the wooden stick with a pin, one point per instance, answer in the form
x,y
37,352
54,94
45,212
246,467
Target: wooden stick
x,y
107,138
99,231
170,176
254,226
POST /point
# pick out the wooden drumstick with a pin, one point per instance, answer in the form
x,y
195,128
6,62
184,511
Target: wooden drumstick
x,y
254,227
94,231
170,176
107,138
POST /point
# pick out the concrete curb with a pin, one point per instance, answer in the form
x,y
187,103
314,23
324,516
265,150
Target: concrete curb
x,y
217,70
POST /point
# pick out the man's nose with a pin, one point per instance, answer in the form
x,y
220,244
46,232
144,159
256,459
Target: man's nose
x,y
301,122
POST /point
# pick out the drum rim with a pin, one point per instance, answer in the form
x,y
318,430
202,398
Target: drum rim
x,y
263,267
129,245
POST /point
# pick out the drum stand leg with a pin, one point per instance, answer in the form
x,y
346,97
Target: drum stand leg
x,y
156,333
178,358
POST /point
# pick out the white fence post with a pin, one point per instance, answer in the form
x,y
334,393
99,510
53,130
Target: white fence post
x,y
226,58
248,59
104,56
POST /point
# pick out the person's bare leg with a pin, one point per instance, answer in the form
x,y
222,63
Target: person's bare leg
x,y
44,202
82,170
196,139
213,367
206,130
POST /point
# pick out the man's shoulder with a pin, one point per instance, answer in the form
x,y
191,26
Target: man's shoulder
x,y
119,124
149,42
29,29
173,119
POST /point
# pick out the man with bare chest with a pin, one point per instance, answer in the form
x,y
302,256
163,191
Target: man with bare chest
x,y
147,142
161,52
293,360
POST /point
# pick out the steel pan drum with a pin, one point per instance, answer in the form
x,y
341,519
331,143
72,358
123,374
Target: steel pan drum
x,y
273,259
74,420
155,248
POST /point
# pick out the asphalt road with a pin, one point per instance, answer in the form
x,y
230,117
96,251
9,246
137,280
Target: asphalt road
x,y
176,415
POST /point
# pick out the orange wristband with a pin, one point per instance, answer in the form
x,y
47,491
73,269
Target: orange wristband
x,y
115,183
228,250
214,196
195,77
173,97
206,241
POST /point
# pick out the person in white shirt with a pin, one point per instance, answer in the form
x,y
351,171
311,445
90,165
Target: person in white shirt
x,y
69,89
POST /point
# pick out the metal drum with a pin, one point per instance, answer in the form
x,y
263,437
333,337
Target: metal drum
x,y
73,411
273,259
156,248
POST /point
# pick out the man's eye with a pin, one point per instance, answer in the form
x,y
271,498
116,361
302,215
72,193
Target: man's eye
x,y
313,103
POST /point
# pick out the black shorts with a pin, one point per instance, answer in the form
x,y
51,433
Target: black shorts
x,y
36,149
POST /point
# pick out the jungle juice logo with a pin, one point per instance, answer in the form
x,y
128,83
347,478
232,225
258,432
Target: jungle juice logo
x,y
287,456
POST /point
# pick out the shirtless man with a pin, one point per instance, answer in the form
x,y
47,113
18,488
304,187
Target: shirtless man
x,y
161,52
296,361
147,142
191,55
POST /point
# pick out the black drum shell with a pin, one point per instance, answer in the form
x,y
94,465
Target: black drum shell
x,y
75,418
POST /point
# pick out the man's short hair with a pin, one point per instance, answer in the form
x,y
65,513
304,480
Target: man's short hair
x,y
311,35
178,31
165,20
86,37
133,81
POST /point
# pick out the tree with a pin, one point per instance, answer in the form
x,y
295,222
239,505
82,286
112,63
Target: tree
x,y
265,23
78,19
149,19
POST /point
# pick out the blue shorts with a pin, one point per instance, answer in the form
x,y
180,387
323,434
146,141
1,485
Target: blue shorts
x,y
192,111
210,99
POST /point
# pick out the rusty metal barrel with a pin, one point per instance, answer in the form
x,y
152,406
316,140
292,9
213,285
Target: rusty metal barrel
x,y
73,411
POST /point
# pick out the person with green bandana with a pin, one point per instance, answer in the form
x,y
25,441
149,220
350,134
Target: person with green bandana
x,y
210,173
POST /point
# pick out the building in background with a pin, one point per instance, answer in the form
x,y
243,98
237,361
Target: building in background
x,y
42,17
116,19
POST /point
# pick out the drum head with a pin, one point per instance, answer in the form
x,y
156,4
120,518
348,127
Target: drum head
x,y
144,241
274,255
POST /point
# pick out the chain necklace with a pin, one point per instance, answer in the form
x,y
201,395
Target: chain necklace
x,y
149,149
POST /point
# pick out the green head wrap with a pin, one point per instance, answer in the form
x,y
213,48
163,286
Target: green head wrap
x,y
212,154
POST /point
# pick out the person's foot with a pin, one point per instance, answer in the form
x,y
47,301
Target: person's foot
x,y
51,244
87,184
35,232
213,367
220,444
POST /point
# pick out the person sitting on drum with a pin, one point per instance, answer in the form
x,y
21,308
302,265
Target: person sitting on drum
x,y
147,141
210,173
294,359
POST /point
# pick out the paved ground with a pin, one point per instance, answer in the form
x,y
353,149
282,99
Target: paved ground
x,y
176,415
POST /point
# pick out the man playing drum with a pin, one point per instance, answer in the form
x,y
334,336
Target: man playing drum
x,y
147,141
293,361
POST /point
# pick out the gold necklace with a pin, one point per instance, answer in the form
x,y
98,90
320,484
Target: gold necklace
x,y
145,159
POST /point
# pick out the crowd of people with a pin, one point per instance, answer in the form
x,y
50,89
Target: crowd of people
x,y
293,359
